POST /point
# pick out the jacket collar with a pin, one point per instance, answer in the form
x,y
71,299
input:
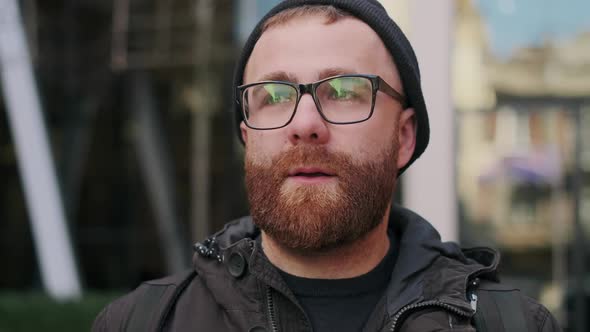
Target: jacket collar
x,y
426,268
429,269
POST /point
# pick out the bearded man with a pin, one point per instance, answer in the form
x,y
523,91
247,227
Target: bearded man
x,y
330,110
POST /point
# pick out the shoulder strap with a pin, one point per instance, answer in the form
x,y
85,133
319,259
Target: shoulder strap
x,y
499,308
155,302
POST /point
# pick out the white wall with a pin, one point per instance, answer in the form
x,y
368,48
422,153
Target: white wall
x,y
429,185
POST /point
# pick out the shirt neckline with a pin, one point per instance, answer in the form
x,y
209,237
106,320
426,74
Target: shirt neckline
x,y
371,281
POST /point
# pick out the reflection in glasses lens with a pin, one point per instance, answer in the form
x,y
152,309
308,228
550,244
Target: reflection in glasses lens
x,y
269,105
345,99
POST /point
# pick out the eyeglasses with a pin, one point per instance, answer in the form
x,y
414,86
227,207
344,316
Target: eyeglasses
x,y
342,99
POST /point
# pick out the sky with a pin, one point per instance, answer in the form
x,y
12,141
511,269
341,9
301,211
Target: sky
x,y
513,24
510,24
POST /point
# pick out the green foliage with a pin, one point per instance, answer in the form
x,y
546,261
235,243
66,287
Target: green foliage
x,y
24,312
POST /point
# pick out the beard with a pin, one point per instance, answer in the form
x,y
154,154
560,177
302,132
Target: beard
x,y
308,218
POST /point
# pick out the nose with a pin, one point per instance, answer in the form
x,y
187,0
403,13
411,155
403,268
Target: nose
x,y
307,125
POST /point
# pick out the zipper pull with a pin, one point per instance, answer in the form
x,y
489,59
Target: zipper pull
x,y
472,296
473,301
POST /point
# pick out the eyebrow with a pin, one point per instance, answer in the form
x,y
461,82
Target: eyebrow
x,y
278,76
290,77
334,71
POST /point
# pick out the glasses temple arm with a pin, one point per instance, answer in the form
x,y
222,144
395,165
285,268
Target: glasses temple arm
x,y
387,89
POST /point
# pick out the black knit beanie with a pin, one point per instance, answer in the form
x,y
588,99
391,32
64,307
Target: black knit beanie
x,y
372,13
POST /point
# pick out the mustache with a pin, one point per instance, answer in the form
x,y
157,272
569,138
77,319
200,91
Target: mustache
x,y
311,155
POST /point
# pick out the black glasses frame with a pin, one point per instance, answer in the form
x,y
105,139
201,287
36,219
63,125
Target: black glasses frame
x,y
377,84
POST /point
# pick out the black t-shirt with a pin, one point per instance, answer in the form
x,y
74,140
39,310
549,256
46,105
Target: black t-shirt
x,y
343,304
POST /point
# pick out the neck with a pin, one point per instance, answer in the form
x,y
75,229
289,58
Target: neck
x,y
347,261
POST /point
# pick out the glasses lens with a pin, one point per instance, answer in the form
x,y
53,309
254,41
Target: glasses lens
x,y
346,99
268,105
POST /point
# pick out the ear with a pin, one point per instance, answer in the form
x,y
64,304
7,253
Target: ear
x,y
406,136
244,132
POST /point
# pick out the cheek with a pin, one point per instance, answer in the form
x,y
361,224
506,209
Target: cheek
x,y
261,147
383,132
365,139
361,146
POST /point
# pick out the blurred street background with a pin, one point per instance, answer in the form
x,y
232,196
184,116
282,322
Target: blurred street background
x,y
118,149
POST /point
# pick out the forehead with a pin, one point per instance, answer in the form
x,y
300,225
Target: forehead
x,y
304,47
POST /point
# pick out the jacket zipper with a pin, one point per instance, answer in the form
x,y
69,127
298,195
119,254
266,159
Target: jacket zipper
x,y
432,303
271,310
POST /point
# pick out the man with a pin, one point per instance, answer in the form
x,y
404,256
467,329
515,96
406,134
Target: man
x,y
330,110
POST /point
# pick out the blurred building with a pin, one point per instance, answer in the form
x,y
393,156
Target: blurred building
x,y
523,174
136,97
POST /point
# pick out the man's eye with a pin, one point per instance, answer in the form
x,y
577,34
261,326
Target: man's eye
x,y
343,94
345,89
277,95
277,99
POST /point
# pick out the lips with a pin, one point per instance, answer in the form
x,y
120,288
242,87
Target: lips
x,y
311,172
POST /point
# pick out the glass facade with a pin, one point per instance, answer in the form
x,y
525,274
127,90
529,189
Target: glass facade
x,y
136,110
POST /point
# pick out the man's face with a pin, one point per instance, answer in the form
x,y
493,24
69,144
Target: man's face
x,y
313,185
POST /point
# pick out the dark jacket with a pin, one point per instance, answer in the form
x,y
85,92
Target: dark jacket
x,y
236,288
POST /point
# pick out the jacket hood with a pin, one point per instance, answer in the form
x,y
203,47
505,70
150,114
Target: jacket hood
x,y
426,268
429,269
